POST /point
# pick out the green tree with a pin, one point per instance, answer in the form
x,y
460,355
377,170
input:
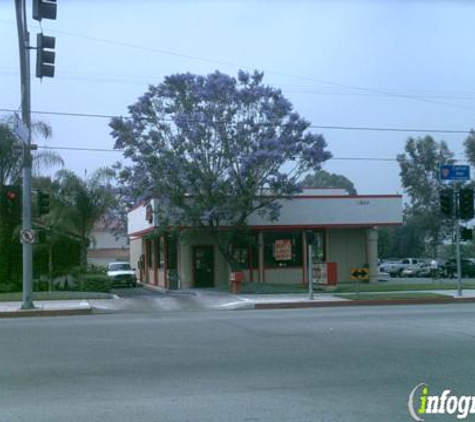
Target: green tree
x,y
469,145
82,202
11,153
10,174
212,148
57,250
402,241
419,166
324,179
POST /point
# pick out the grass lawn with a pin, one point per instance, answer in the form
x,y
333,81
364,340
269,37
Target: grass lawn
x,y
392,296
393,287
13,297
269,288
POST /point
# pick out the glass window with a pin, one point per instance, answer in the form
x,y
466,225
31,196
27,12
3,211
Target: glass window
x,y
245,252
148,253
283,249
156,251
119,267
172,253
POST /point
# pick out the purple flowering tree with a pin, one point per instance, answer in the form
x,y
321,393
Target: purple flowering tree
x,y
215,149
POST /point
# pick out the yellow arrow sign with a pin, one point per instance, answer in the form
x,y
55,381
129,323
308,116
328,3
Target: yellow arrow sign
x,y
359,273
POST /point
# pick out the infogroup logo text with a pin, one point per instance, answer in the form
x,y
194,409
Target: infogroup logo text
x,y
421,404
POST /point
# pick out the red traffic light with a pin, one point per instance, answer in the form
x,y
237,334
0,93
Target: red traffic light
x,y
11,195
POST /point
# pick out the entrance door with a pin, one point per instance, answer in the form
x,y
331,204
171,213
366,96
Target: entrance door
x,y
203,265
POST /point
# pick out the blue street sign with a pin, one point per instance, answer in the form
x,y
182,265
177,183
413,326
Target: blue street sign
x,y
454,172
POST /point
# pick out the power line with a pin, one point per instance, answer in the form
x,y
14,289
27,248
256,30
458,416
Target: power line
x,y
79,149
50,147
382,92
270,71
329,127
298,89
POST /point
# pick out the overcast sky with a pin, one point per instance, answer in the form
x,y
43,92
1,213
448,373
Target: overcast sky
x,y
381,64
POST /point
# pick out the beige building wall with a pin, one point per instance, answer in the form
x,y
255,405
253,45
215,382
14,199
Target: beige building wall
x,y
284,275
135,252
347,247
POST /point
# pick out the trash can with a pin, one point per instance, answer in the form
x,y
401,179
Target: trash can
x,y
236,281
332,273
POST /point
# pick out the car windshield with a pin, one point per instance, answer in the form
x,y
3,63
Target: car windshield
x,y
119,267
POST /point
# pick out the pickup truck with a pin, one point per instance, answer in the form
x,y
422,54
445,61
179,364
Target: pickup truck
x,y
395,269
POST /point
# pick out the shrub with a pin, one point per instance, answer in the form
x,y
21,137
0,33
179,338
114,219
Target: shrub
x,y
95,283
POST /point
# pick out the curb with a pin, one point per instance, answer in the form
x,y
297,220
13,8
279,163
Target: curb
x,y
327,304
25,313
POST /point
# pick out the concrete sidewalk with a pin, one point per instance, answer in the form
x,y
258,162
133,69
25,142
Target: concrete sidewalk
x,y
302,300
204,299
46,308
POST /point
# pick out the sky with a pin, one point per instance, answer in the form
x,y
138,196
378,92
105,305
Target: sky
x,y
359,63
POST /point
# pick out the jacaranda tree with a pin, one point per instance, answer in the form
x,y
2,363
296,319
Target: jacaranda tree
x,y
215,149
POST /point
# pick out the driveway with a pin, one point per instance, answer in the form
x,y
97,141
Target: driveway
x,y
143,299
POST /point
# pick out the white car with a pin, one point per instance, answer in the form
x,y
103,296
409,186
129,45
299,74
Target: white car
x,y
121,274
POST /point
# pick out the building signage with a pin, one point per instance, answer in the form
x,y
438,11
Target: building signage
x,y
454,172
149,213
320,273
283,250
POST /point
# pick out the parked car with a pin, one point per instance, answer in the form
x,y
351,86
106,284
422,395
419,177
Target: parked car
x,y
395,269
411,271
121,274
426,270
467,267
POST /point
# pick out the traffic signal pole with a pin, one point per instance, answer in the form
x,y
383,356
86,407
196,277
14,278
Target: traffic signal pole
x,y
24,50
457,238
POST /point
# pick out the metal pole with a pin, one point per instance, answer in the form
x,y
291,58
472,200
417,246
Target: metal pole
x,y
457,240
24,52
310,272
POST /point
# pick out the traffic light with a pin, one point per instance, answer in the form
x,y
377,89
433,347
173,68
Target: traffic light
x,y
447,202
43,203
10,203
45,56
11,196
44,9
466,233
466,204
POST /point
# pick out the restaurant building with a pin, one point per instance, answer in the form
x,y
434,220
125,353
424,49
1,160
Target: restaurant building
x,y
345,229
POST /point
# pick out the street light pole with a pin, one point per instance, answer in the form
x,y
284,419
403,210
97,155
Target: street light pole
x,y
24,52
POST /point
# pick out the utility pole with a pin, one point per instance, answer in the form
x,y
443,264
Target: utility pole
x,y
24,52
44,68
457,238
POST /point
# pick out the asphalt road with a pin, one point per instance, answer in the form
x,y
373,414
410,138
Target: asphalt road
x,y
321,364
